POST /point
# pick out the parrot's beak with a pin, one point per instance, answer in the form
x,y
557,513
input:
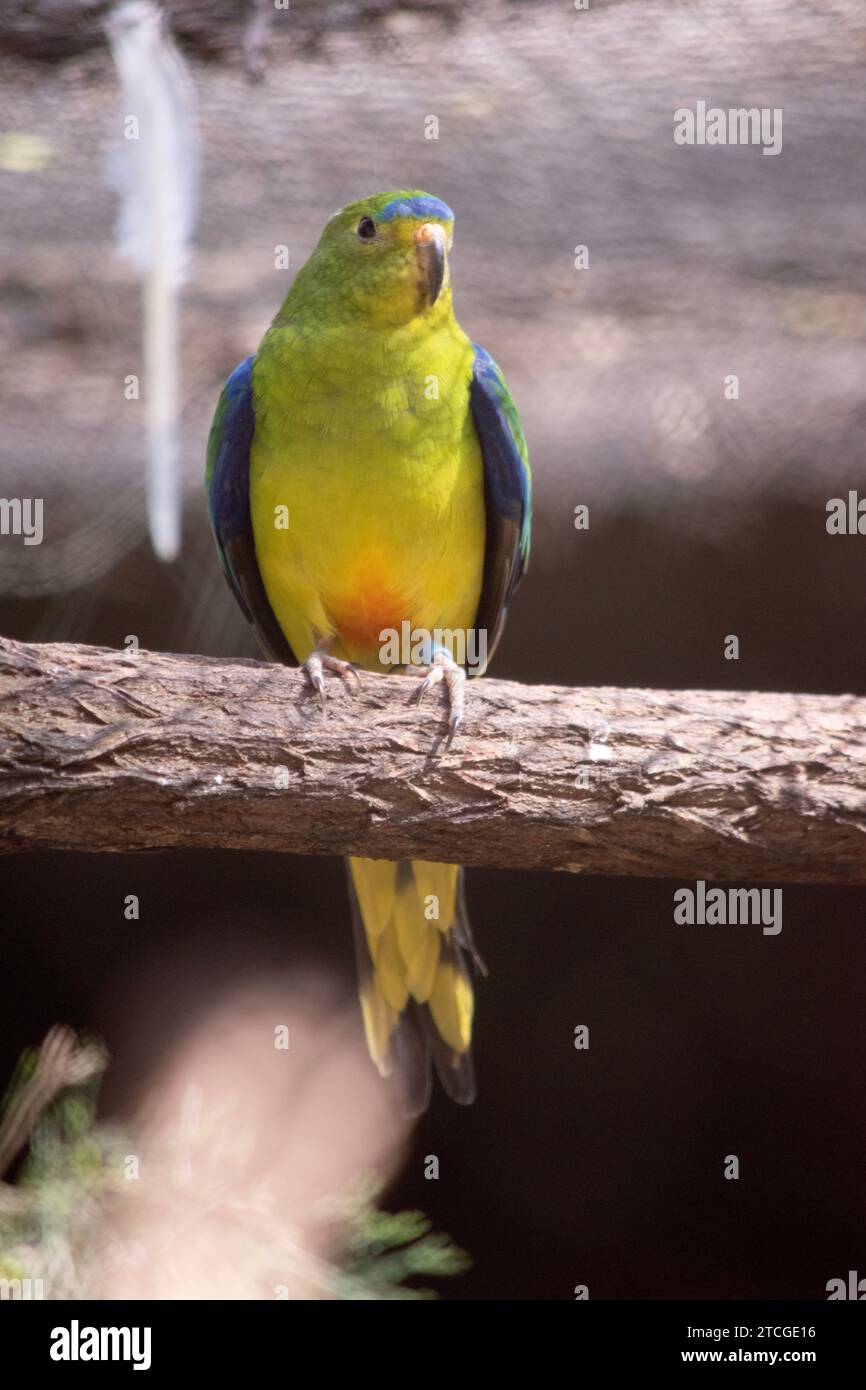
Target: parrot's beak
x,y
432,251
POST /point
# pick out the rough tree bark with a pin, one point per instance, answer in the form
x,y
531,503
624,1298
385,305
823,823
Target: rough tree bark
x,y
103,750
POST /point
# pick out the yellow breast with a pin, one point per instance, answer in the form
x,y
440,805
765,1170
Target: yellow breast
x,y
367,499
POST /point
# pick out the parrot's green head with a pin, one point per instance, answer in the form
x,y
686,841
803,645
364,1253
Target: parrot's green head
x,y
384,259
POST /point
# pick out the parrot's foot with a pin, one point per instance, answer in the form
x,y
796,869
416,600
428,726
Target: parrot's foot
x,y
443,667
315,666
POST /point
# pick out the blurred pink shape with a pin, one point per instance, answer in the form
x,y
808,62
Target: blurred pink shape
x,y
244,1147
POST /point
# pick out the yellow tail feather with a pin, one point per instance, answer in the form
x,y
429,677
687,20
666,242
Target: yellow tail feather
x,y
416,995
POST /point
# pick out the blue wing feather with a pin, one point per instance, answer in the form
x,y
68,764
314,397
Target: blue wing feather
x,y
227,483
507,493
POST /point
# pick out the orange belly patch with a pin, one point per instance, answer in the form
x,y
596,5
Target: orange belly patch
x,y
374,604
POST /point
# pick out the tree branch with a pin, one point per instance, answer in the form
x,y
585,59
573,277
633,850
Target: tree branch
x,y
103,750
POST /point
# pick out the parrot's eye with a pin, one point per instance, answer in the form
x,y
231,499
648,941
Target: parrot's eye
x,y
366,229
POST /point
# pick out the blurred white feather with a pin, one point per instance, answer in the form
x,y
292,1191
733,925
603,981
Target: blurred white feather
x,y
156,173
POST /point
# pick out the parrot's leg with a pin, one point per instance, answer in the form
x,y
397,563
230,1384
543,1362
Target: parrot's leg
x,y
443,667
320,661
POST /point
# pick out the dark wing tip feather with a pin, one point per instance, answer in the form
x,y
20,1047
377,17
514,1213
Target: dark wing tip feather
x,y
410,1053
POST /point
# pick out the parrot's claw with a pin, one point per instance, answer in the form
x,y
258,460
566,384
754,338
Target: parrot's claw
x,y
444,668
315,666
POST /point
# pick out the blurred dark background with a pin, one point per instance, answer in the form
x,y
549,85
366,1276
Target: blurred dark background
x,y
707,517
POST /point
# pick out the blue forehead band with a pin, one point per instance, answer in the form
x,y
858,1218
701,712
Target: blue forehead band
x,y
416,207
